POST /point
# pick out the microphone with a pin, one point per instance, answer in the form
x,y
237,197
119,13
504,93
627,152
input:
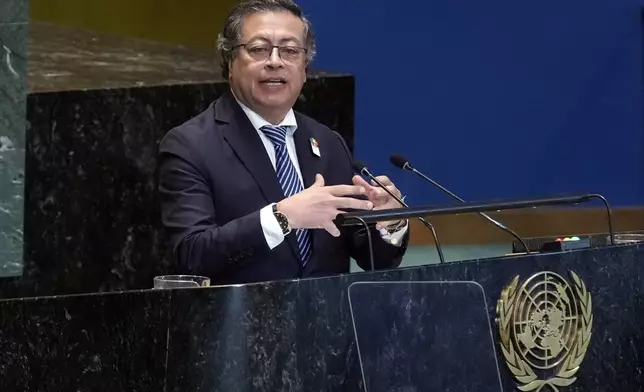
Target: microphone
x,y
360,167
402,163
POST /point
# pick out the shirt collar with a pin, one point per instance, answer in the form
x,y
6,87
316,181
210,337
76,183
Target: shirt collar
x,y
258,122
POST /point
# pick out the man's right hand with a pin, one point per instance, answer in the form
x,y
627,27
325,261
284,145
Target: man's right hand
x,y
317,206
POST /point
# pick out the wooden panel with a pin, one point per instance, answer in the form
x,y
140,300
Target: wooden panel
x,y
193,23
474,229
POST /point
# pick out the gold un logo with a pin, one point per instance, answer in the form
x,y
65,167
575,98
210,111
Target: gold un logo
x,y
545,326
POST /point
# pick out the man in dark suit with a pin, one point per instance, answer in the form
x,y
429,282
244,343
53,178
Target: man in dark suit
x,y
250,188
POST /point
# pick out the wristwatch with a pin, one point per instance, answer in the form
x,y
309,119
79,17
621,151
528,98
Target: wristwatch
x,y
282,220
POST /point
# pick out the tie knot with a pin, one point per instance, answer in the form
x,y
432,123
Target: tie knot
x,y
277,135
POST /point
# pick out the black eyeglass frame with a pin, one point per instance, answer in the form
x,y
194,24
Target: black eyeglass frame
x,y
272,48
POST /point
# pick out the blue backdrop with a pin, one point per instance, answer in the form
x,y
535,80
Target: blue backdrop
x,y
495,99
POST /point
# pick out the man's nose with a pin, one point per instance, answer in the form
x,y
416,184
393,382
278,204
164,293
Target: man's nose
x,y
274,58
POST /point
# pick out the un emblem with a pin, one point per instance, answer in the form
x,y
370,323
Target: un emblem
x,y
545,326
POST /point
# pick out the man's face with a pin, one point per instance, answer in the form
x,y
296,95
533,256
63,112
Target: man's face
x,y
263,80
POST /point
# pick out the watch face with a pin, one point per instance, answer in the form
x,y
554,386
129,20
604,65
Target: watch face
x,y
282,220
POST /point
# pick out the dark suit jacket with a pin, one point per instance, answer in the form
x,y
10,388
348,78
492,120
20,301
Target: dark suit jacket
x,y
215,176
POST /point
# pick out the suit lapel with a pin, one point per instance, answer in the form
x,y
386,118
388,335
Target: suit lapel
x,y
244,140
310,164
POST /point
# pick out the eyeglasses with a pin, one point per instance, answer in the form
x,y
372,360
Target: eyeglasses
x,y
262,52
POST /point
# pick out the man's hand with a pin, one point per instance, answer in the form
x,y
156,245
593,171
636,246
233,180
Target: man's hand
x,y
317,206
379,197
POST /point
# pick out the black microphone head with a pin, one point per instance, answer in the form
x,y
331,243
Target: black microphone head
x,y
359,166
399,161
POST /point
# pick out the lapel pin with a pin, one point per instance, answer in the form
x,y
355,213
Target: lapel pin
x,y
315,147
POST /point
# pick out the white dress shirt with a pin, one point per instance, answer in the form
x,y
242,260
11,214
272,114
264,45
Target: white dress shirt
x,y
270,226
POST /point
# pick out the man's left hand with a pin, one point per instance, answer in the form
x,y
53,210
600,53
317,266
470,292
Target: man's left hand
x,y
379,197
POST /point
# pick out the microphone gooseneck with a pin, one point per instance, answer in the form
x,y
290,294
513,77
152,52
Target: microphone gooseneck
x,y
402,163
359,167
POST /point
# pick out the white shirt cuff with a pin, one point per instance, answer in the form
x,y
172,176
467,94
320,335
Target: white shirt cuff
x,y
270,227
394,238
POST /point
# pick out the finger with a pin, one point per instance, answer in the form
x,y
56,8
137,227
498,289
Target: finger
x,y
392,188
332,229
319,181
384,180
380,195
357,180
380,192
351,203
346,190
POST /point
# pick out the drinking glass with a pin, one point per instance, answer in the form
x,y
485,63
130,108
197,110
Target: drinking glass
x,y
180,281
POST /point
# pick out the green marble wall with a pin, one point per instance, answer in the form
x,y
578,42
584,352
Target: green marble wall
x,y
13,85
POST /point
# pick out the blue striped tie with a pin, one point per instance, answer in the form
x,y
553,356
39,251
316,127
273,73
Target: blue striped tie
x,y
291,184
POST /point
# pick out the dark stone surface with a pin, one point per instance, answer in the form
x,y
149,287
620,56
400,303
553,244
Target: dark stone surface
x,y
92,219
299,335
13,93
236,348
84,343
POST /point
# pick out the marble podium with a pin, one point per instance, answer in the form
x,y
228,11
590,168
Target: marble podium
x,y
301,335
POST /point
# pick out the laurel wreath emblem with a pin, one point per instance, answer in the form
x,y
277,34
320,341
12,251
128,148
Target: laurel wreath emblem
x,y
565,374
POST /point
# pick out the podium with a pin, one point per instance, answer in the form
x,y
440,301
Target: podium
x,y
453,327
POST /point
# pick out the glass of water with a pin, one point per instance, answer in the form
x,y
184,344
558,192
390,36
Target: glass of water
x,y
180,281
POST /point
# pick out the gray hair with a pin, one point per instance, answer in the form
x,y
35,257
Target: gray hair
x,y
231,34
